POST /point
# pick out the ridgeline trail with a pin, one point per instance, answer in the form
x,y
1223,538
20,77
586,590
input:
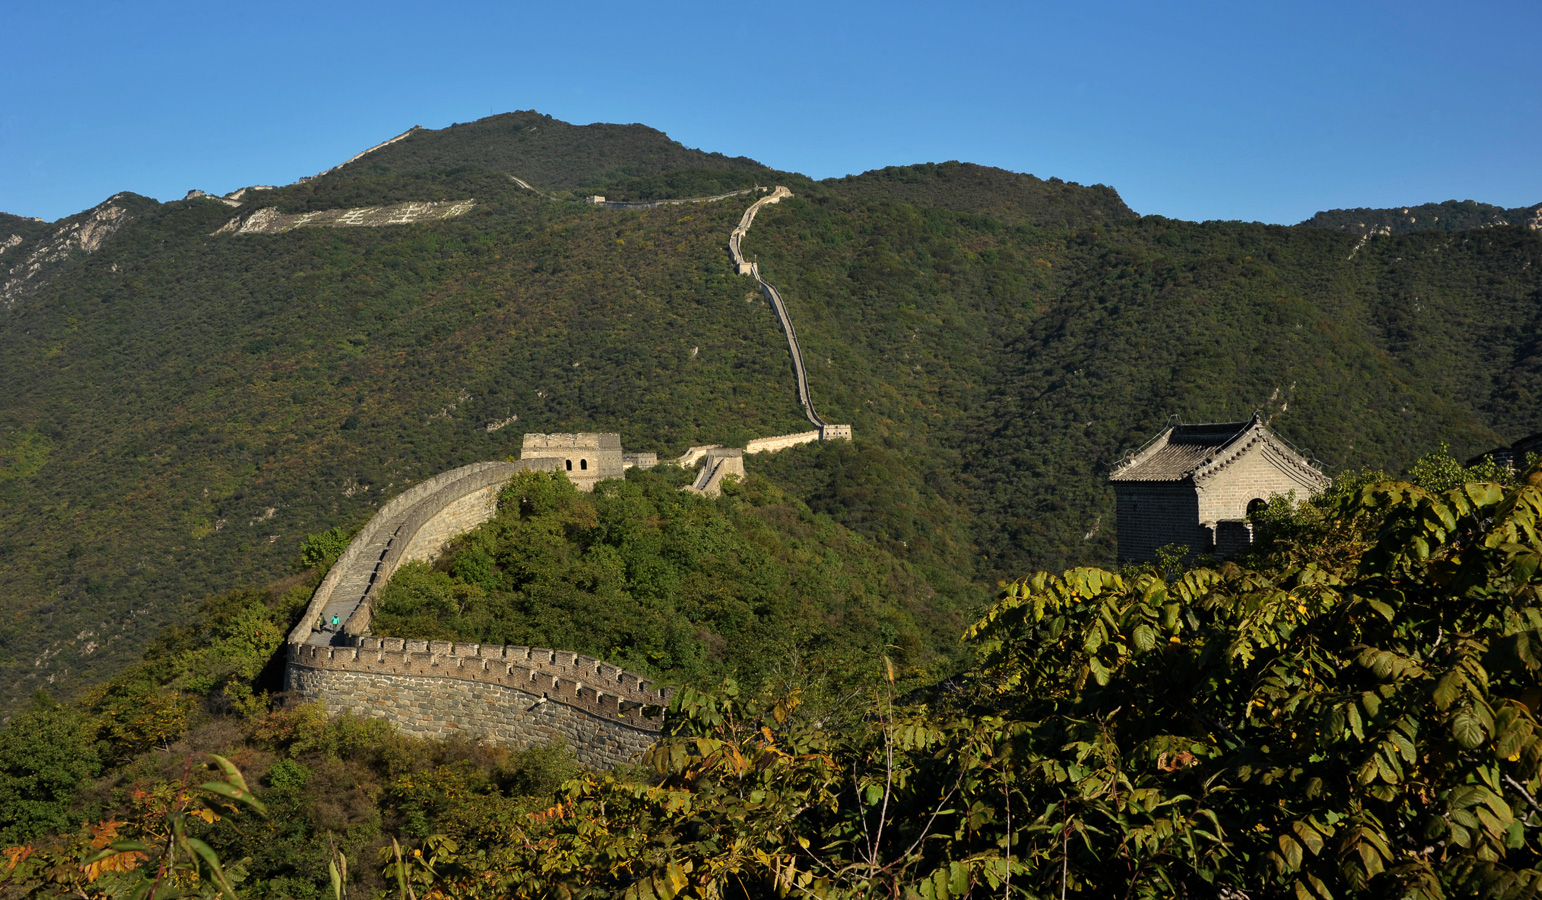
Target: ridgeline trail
x,y
775,296
741,266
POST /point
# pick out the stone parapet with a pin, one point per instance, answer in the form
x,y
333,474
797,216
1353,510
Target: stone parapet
x,y
780,442
374,553
580,682
435,706
522,696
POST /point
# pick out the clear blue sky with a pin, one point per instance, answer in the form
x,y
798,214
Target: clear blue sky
x,y
1225,110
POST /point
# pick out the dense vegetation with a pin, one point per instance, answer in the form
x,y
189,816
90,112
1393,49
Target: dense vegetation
x,y
751,585
1006,197
181,409
1452,215
1350,711
555,156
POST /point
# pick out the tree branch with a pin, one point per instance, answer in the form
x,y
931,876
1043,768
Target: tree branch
x,y
1521,789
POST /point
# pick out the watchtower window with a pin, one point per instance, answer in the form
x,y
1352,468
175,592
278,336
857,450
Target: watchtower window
x,y
1257,505
570,465
583,464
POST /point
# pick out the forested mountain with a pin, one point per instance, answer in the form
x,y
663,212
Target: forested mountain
x,y
1452,215
554,155
182,407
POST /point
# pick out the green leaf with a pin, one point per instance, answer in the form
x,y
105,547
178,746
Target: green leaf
x,y
213,862
232,774
1291,850
1467,729
1308,836
232,792
1353,712
1100,672
1448,689
1144,637
117,847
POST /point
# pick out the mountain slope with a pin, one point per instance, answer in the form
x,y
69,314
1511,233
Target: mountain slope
x,y
548,153
1008,197
183,406
1452,215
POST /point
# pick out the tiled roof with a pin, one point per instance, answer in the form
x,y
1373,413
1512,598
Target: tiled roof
x,y
1180,452
1198,451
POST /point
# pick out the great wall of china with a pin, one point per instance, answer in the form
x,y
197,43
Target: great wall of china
x,y
520,696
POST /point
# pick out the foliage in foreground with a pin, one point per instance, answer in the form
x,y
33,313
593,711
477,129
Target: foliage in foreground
x,y
1289,729
1350,712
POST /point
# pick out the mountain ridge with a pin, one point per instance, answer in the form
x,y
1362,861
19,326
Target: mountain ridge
x,y
1451,215
186,407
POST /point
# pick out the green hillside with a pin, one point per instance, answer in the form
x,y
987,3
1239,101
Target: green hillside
x,y
1452,215
1008,197
182,408
550,154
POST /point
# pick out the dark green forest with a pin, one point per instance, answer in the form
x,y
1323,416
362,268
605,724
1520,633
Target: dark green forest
x,y
753,586
182,409
1452,215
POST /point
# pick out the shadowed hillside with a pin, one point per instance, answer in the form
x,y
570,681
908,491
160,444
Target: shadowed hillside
x,y
1452,215
184,407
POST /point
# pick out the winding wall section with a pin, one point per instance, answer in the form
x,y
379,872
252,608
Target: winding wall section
x,y
748,268
513,695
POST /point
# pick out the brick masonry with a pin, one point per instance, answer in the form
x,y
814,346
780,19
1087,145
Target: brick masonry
x,y
1152,516
426,706
1193,486
520,696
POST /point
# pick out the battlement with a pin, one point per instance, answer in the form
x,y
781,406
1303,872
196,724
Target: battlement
x,y
572,679
640,460
586,457
535,441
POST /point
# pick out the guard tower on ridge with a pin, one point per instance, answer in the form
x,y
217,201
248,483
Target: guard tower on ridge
x,y
586,457
1194,486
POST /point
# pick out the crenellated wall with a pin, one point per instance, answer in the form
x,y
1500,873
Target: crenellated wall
x,y
780,442
520,696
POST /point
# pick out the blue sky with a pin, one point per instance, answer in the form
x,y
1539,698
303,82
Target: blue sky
x,y
1254,111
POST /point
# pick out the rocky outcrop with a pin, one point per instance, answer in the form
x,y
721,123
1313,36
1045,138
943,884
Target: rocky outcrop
x,y
269,220
84,233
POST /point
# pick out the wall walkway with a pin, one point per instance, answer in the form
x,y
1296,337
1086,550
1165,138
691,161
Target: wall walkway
x,y
513,695
748,268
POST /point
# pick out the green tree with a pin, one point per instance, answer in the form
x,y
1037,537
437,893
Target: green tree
x,y
46,754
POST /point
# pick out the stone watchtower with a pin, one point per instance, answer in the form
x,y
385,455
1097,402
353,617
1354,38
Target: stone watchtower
x,y
1194,485
586,457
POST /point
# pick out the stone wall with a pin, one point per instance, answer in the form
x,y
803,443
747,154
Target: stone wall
x,y
1255,475
453,520
720,464
519,696
361,556
1155,514
780,442
587,458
